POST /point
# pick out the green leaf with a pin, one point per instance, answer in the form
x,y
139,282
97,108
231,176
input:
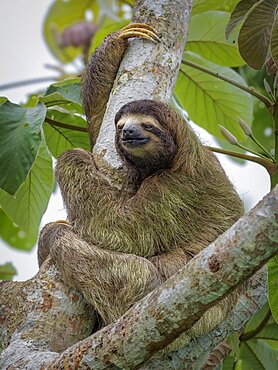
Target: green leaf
x,y
65,94
238,15
14,236
269,332
254,36
20,138
3,99
59,138
201,6
106,28
274,41
273,286
257,355
7,271
228,363
256,320
234,341
61,15
210,101
28,205
206,37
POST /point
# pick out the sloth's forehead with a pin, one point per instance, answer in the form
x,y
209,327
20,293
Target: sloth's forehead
x,y
139,119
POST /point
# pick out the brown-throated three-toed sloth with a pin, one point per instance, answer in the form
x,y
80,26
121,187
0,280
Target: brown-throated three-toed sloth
x,y
121,244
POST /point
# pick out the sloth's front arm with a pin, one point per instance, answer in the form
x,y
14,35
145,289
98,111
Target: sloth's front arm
x,y
101,72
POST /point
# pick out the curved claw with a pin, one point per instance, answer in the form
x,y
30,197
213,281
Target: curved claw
x,y
141,30
62,222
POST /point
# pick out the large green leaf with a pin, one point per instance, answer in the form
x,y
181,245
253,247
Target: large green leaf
x,y
63,14
7,271
257,355
274,41
69,89
28,205
14,236
210,101
273,286
61,132
206,37
238,15
254,36
65,94
20,138
201,6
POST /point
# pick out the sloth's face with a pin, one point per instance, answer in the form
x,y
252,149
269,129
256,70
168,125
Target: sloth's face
x,y
143,142
139,134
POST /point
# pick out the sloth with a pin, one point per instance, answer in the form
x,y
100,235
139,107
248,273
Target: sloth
x,y
121,243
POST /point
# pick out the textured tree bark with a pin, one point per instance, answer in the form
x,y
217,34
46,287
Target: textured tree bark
x,y
159,318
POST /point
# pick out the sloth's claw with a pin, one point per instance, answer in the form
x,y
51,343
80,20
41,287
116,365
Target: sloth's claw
x,y
62,222
141,30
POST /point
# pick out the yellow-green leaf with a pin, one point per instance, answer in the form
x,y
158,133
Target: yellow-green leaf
x,y
206,37
210,101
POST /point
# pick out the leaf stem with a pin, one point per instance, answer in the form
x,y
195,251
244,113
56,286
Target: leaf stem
x,y
251,91
27,82
250,150
263,148
51,122
269,166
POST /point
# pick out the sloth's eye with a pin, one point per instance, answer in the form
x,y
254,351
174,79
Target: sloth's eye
x,y
148,127
119,127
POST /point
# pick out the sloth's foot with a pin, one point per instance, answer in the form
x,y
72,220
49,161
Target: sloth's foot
x,y
141,30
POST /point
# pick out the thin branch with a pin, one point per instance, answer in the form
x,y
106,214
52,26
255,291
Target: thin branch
x,y
268,165
64,125
251,91
27,82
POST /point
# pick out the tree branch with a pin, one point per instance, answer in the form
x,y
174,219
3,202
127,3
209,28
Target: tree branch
x,y
159,318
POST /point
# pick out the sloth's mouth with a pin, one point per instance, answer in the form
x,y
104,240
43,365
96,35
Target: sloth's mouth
x,y
135,141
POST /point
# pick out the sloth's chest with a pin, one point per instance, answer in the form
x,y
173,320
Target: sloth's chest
x,y
107,223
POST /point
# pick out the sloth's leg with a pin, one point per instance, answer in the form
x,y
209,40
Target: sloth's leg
x,y
111,282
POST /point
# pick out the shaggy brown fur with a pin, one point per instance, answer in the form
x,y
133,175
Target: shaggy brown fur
x,y
121,244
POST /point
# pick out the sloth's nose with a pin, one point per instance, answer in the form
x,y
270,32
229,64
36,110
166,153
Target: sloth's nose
x,y
131,130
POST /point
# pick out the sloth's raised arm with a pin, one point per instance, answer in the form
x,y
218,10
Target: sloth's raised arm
x,y
101,72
